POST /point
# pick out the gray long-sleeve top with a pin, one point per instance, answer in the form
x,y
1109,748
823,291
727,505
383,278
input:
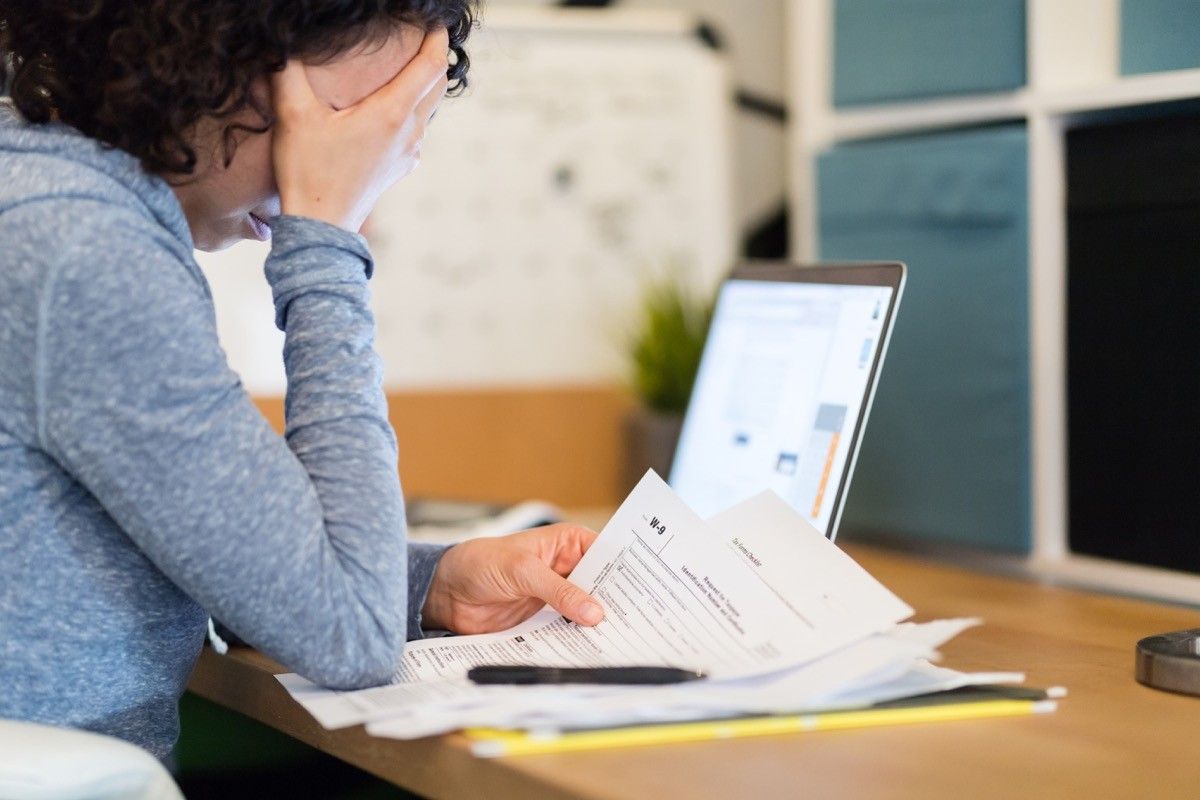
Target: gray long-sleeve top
x,y
140,489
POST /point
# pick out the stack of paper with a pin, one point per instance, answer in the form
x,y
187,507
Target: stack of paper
x,y
776,615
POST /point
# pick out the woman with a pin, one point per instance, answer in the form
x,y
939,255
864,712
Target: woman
x,y
140,490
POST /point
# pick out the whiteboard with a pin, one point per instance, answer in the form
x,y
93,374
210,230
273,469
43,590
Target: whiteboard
x,y
591,152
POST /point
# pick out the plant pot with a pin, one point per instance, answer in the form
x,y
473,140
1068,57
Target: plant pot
x,y
650,440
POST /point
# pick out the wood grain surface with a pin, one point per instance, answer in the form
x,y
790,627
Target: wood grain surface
x,y
1110,738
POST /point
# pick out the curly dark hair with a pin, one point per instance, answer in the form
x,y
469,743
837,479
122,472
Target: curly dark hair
x,y
139,74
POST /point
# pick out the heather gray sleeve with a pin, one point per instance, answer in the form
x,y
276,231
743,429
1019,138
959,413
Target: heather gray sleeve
x,y
295,543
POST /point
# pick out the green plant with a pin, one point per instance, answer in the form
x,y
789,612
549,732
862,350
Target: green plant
x,y
667,341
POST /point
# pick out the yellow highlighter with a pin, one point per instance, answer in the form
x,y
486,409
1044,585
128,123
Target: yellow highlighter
x,y
491,742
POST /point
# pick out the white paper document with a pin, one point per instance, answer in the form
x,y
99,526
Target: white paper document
x,y
675,595
776,615
799,689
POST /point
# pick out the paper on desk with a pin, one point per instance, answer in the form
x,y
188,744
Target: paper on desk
x,y
880,667
817,685
811,575
675,593
517,707
921,677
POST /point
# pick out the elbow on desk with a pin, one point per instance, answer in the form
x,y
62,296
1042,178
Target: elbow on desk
x,y
354,669
354,654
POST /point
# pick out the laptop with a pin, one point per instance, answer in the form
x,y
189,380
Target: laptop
x,y
785,386
780,402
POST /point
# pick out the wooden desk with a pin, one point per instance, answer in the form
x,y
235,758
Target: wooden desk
x,y
1110,738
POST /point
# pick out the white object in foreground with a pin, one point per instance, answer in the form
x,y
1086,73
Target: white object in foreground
x,y
40,762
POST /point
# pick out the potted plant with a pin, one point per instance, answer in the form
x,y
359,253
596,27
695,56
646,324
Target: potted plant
x,y
665,345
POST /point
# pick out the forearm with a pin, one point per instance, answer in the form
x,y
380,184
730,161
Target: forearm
x,y
299,549
336,411
423,560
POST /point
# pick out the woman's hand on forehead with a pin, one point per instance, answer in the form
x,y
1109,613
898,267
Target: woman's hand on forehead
x,y
333,165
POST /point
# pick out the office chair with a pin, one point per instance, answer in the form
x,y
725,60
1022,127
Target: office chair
x,y
39,762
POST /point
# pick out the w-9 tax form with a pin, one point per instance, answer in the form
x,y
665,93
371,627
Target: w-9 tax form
x,y
675,592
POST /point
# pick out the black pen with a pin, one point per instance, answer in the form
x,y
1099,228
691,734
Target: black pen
x,y
520,674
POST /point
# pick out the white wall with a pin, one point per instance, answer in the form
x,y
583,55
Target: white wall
x,y
592,152
755,36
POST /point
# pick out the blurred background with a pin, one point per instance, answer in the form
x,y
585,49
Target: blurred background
x,y
1035,162
1032,160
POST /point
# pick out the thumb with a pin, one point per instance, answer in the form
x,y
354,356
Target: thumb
x,y
563,596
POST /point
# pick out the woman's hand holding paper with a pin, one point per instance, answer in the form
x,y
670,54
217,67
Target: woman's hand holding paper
x,y
486,585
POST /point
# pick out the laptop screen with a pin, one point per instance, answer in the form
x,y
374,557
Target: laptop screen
x,y
786,371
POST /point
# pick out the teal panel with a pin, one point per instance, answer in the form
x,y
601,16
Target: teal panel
x,y
1158,35
946,450
887,50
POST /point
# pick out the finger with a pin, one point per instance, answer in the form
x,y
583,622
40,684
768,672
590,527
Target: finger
x,y
290,89
587,537
419,76
563,596
573,544
429,104
437,43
